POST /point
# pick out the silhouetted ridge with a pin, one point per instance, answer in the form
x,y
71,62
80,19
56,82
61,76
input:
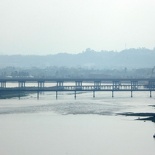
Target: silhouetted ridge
x,y
130,58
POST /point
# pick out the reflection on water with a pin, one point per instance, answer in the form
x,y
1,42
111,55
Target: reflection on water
x,y
72,107
85,126
103,104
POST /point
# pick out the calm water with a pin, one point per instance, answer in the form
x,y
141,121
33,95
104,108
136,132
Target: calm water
x,y
85,126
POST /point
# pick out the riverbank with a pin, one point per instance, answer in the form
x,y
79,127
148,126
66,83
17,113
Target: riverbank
x,y
141,116
9,95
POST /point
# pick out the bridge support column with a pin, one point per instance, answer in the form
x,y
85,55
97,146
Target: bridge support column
x,y
131,94
3,84
93,94
19,95
37,95
21,84
59,83
75,95
112,94
78,85
56,95
134,86
150,94
41,84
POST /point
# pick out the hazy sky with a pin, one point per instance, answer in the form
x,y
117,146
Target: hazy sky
x,y
52,26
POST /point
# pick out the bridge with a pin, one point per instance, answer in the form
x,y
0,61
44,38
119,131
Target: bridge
x,y
77,84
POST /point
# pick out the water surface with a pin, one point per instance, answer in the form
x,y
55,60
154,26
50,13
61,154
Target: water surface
x,y
85,126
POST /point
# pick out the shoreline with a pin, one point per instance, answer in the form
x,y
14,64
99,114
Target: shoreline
x,y
145,116
11,94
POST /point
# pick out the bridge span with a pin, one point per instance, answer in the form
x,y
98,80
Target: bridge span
x,y
76,84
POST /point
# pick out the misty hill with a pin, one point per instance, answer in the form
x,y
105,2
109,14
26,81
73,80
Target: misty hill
x,y
130,58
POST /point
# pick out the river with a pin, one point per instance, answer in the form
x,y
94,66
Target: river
x,y
85,126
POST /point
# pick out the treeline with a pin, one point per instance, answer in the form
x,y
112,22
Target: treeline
x,y
65,72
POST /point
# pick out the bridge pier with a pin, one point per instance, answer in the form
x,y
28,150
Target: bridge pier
x,y
93,94
56,95
37,95
3,84
41,84
21,84
115,86
59,83
19,95
134,86
131,94
112,93
78,84
75,95
150,94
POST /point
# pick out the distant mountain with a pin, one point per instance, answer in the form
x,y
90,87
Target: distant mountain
x,y
129,58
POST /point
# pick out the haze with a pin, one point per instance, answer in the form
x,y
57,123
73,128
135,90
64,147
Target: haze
x,y
53,26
